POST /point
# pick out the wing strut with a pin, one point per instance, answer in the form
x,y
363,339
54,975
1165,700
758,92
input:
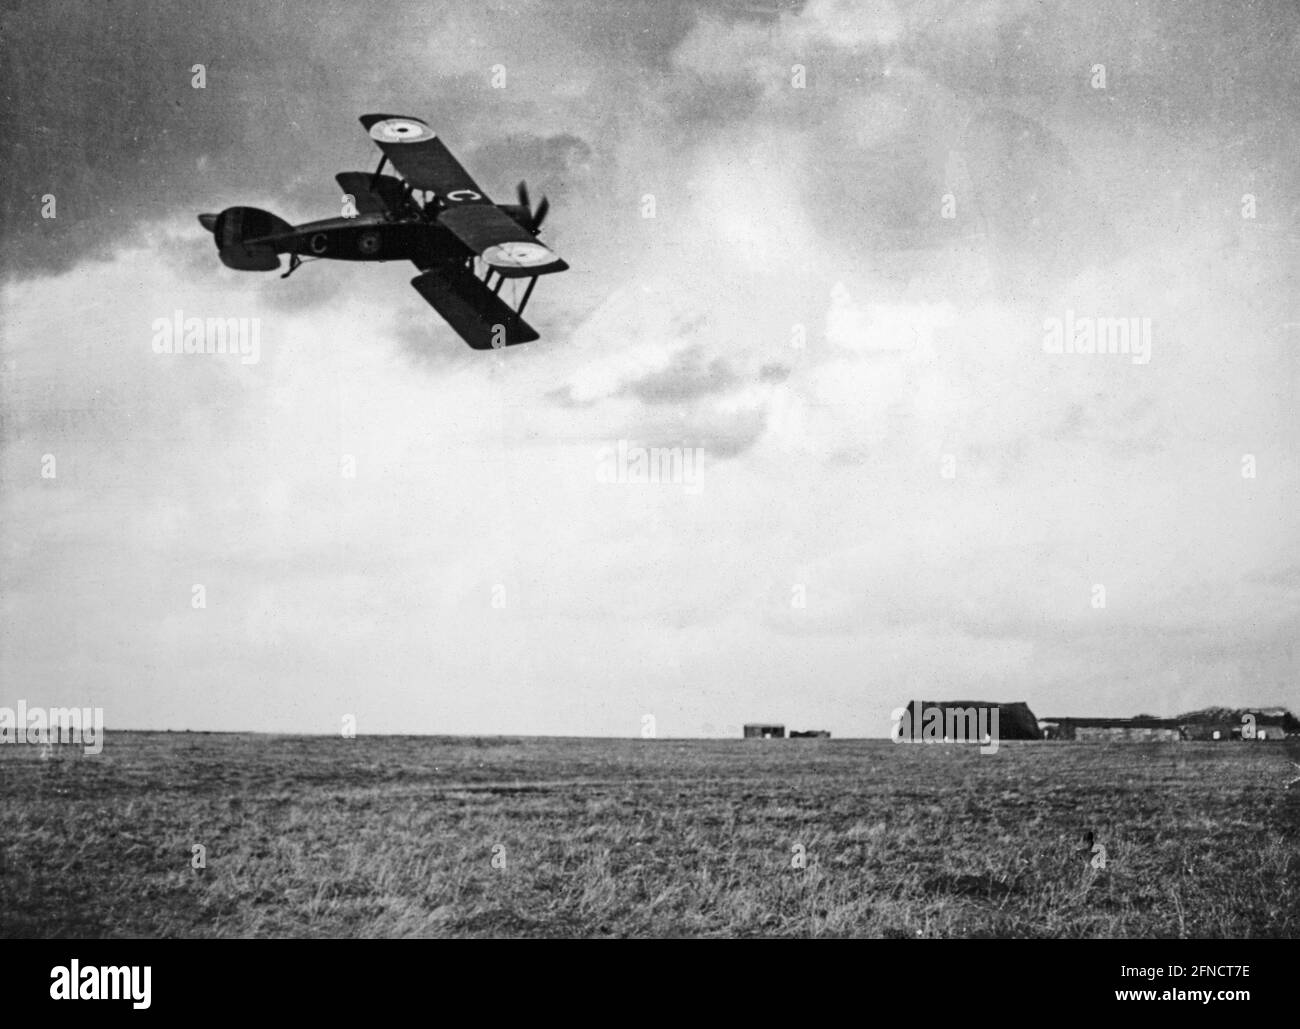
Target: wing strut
x,y
496,289
527,293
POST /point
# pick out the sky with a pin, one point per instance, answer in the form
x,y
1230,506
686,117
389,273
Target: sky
x,y
822,248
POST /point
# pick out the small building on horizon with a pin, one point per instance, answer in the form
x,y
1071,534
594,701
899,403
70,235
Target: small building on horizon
x,y
764,731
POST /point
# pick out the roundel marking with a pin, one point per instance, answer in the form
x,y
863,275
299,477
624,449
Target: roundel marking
x,y
318,243
457,196
368,243
518,255
400,130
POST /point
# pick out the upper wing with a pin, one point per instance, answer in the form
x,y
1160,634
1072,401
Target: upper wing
x,y
470,216
421,158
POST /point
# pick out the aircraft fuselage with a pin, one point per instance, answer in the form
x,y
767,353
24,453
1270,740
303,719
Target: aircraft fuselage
x,y
371,237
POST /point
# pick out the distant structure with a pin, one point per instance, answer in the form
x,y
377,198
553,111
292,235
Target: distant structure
x,y
755,731
1211,723
1245,723
810,734
1015,720
1212,731
1141,729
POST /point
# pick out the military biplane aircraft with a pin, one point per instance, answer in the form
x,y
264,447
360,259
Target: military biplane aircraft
x,y
434,215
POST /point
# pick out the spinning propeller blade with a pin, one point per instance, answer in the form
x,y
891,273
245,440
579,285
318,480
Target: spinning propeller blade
x,y
535,218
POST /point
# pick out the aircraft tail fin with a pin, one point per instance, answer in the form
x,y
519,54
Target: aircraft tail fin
x,y
240,234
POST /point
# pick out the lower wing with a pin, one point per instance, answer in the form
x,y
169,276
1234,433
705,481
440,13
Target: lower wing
x,y
480,317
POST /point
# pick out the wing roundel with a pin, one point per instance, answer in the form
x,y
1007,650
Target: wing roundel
x,y
400,130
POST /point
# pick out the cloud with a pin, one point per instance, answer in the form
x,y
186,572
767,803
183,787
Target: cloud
x,y
686,379
719,48
562,164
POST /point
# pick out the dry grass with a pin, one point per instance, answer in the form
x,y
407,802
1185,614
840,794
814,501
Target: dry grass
x,y
395,837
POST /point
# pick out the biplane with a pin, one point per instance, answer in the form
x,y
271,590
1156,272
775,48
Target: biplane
x,y
464,245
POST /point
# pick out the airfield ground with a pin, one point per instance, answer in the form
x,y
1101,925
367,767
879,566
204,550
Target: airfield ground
x,y
409,836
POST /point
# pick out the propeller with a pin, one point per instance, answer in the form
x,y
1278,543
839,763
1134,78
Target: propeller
x,y
533,219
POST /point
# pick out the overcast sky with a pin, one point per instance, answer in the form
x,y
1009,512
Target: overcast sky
x,y
918,501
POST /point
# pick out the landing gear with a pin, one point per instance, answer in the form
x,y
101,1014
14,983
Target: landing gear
x,y
294,262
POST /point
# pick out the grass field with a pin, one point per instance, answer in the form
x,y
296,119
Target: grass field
x,y
406,836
